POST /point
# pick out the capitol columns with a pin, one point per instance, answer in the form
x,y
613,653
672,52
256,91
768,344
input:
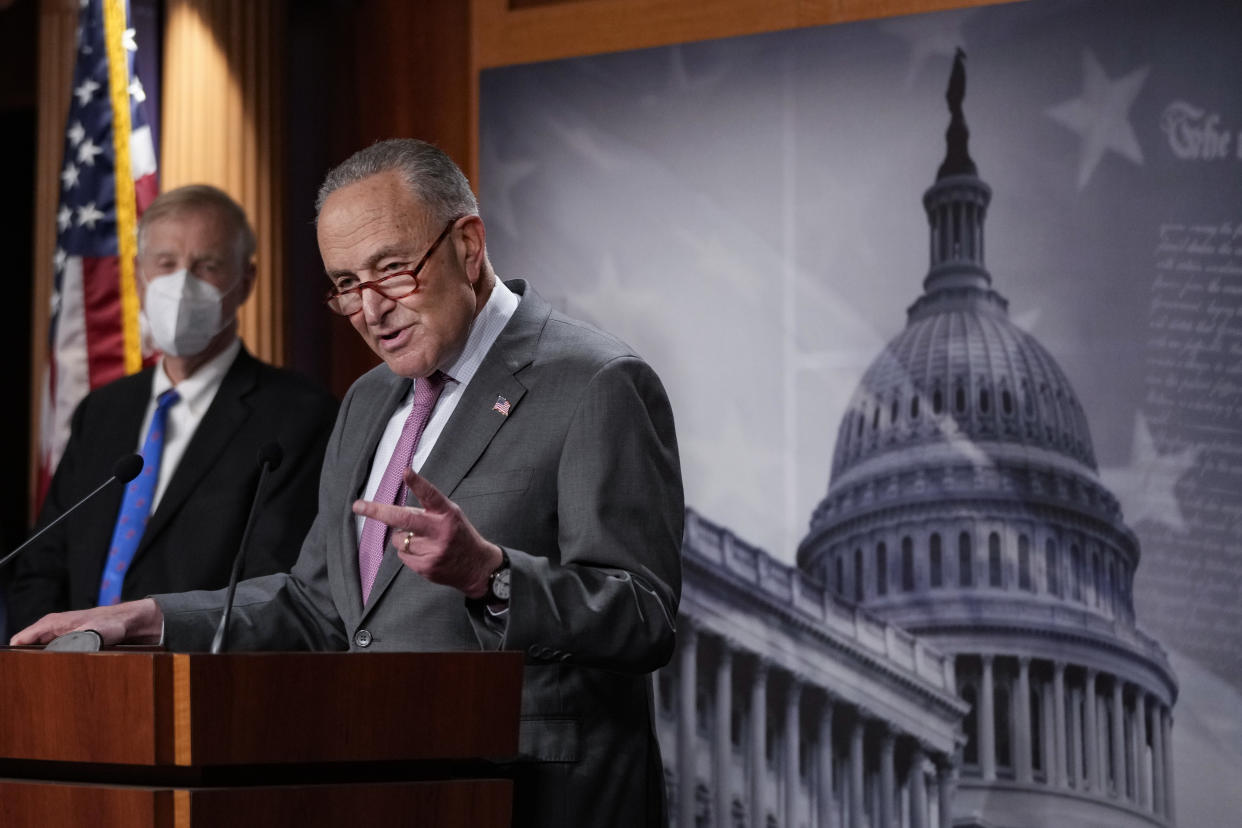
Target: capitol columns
x,y
1166,729
1023,763
826,805
1143,788
793,733
918,788
687,696
1119,739
946,771
1076,770
1048,734
888,781
857,770
1057,766
1090,709
758,744
723,760
1157,759
987,721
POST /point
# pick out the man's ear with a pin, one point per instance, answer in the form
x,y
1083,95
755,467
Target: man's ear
x,y
249,273
139,284
470,244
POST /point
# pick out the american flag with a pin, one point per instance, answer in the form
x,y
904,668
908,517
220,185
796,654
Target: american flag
x,y
501,405
107,178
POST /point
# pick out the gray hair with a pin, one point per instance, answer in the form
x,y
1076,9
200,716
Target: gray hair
x,y
430,173
201,197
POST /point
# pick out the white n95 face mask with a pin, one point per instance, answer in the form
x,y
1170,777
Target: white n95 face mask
x,y
183,313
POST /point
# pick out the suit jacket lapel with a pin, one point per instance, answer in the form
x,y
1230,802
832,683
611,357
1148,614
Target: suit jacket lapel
x,y
224,417
121,434
475,421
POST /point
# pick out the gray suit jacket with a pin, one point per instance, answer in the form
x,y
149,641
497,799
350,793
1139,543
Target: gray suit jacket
x,y
580,483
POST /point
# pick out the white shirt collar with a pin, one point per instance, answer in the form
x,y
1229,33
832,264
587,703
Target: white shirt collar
x,y
198,389
484,329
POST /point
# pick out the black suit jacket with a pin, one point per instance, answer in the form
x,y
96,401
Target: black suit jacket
x,y
195,530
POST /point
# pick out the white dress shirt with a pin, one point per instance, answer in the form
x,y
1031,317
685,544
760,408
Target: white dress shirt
x,y
197,391
484,329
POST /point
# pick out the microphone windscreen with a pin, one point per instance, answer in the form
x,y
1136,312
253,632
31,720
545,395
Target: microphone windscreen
x,y
270,455
126,468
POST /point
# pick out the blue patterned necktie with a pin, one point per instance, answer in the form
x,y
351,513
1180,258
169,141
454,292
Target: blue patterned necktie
x,y
136,507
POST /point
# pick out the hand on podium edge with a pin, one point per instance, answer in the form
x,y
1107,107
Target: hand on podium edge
x,y
133,622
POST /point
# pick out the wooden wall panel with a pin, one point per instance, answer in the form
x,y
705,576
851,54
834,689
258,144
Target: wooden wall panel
x,y
504,35
411,77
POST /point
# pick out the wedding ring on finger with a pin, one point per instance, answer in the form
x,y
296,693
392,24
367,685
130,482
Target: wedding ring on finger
x,y
405,546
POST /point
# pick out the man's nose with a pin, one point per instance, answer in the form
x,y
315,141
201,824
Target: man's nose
x,y
375,305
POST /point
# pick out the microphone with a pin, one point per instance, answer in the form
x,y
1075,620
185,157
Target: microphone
x,y
270,455
125,469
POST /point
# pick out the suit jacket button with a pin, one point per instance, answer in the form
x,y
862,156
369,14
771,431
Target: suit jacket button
x,y
362,638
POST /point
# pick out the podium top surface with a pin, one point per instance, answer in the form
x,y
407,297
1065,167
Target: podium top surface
x,y
197,710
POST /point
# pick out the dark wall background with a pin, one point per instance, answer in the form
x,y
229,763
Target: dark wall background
x,y
18,64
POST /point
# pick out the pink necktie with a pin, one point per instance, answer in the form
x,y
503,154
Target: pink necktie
x,y
392,485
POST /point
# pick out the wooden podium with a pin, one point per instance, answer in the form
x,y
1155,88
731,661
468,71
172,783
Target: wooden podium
x,y
146,738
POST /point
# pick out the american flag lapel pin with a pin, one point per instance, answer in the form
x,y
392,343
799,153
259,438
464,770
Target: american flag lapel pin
x,y
501,405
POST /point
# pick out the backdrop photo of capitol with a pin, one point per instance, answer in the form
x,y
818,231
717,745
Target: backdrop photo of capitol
x,y
960,620
977,566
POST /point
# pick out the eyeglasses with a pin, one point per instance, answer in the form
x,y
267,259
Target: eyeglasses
x,y
393,286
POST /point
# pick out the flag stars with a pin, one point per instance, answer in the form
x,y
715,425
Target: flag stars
x,y
1101,116
136,91
69,176
127,40
87,152
64,218
88,215
86,91
76,133
58,260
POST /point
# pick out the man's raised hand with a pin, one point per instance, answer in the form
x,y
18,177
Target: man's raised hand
x,y
436,540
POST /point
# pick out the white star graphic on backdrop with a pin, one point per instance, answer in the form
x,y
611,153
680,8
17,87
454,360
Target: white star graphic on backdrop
x,y
136,91
88,215
615,306
750,452
503,177
85,91
1101,116
1027,320
590,144
681,80
58,259
127,40
64,217
719,254
76,133
1145,487
69,176
88,151
929,35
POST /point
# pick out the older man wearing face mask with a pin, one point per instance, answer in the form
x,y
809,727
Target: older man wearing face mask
x,y
199,417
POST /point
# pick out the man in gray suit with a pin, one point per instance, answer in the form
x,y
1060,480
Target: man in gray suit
x,y
546,477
